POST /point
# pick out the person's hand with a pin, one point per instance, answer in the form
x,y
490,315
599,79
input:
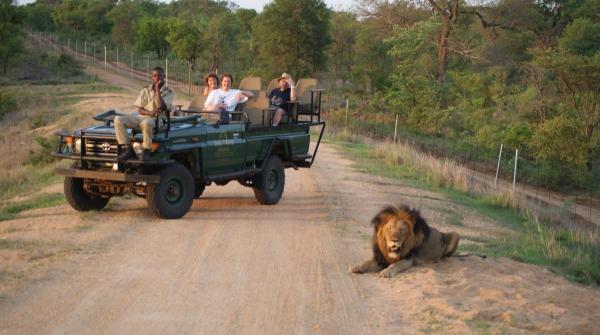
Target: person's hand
x,y
223,106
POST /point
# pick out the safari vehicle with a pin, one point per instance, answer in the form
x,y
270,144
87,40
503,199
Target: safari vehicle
x,y
190,152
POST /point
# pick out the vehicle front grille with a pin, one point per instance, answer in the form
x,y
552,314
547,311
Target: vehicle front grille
x,y
100,147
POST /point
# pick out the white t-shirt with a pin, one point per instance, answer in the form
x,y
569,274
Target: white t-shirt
x,y
219,97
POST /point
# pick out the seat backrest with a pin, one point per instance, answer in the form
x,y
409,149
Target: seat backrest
x,y
272,85
303,87
251,84
197,103
254,109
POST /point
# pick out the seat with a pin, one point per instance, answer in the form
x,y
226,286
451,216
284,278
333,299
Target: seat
x,y
254,108
253,84
272,85
309,98
197,103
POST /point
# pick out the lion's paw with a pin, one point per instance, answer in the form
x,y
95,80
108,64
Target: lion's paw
x,y
386,273
354,269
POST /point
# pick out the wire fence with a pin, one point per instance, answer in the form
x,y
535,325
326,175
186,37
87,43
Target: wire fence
x,y
527,181
125,62
554,192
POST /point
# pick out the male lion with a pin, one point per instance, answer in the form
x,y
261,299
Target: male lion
x,y
403,238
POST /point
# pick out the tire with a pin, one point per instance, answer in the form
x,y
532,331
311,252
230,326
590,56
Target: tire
x,y
269,184
198,190
79,199
172,197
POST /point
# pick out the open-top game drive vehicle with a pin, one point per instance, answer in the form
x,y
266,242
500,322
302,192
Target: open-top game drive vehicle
x,y
189,153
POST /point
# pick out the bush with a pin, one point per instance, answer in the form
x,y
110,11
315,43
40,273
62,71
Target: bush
x,y
42,155
7,103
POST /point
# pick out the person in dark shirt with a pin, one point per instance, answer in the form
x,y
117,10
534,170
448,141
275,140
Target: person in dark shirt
x,y
280,97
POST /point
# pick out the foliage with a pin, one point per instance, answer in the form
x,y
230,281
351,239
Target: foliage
x,y
151,34
38,16
84,15
10,33
292,36
559,140
41,154
582,37
7,103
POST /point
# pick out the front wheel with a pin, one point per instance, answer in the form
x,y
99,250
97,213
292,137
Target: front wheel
x,y
269,184
172,197
79,199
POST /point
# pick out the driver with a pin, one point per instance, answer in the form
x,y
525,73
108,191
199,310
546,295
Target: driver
x,y
225,98
149,105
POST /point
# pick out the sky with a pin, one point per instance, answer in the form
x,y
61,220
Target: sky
x,y
259,4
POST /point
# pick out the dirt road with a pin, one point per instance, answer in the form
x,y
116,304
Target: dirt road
x,y
233,266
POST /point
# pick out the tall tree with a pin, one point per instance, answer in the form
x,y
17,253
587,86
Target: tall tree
x,y
184,41
448,11
292,36
151,35
10,32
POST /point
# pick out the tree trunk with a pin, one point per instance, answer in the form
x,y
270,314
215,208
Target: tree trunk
x,y
443,51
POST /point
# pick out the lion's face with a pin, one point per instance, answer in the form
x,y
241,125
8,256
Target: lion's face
x,y
395,233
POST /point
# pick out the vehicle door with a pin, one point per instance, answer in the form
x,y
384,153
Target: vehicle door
x,y
225,149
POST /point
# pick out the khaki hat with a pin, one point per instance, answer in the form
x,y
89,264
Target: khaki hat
x,y
283,76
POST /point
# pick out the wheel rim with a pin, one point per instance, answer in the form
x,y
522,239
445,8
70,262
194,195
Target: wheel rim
x,y
272,180
174,191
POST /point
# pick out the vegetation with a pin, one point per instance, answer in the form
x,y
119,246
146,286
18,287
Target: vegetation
x,y
571,251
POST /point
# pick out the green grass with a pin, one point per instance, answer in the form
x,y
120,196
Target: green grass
x,y
42,201
574,254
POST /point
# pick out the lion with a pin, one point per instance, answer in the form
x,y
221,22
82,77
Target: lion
x,y
402,239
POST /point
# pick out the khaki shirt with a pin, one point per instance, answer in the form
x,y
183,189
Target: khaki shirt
x,y
146,98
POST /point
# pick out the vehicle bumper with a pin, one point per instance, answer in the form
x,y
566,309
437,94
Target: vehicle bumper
x,y
104,175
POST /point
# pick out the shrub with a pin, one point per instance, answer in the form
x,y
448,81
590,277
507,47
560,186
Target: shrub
x,y
42,156
7,103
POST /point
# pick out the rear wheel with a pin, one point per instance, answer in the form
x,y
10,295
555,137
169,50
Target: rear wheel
x,y
79,199
172,197
269,184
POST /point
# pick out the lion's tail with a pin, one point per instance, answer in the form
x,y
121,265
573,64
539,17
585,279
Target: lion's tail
x,y
451,243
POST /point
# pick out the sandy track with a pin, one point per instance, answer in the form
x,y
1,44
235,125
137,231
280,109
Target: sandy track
x,y
233,266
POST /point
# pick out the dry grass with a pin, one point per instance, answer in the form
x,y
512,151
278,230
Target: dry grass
x,y
545,235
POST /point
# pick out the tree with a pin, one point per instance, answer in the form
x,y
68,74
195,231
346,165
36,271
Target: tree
x,y
448,11
89,16
292,35
343,39
10,33
578,80
38,16
123,18
151,34
184,41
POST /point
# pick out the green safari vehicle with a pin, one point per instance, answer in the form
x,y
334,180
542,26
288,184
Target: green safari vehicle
x,y
189,153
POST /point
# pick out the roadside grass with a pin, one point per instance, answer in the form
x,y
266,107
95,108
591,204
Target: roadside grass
x,y
570,251
41,201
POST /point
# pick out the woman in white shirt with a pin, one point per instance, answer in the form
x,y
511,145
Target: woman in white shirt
x,y
226,98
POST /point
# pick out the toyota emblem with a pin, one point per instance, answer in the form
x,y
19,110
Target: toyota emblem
x,y
105,146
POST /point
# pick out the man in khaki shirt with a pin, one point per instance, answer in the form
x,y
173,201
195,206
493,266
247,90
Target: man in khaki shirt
x,y
149,104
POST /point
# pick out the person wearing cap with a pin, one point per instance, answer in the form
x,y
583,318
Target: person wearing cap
x,y
280,96
225,98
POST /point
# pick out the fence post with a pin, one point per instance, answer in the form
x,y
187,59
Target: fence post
x,y
84,49
515,173
346,113
498,166
76,48
167,71
396,128
68,45
117,59
105,57
94,48
132,64
148,65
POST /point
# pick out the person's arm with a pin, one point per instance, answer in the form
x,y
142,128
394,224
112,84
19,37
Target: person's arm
x,y
206,91
211,104
290,82
248,94
141,101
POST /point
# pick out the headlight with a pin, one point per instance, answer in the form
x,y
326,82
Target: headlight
x,y
137,147
77,146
